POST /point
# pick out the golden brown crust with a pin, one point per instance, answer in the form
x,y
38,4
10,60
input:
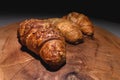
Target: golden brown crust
x,y
35,34
85,25
53,53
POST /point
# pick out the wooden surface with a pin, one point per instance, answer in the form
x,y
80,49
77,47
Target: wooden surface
x,y
97,59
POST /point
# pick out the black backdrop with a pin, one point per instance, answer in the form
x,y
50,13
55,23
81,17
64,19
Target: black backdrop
x,y
107,10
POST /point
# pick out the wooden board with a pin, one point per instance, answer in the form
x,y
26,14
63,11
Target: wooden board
x,y
97,59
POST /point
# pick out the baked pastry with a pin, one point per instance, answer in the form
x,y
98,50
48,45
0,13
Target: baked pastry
x,y
44,40
84,23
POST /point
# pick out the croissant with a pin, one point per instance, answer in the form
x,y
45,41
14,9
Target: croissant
x,y
85,25
44,40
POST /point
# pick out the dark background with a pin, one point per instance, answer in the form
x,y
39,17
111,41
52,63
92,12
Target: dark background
x,y
106,10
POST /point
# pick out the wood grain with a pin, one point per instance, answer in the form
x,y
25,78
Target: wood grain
x,y
94,59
